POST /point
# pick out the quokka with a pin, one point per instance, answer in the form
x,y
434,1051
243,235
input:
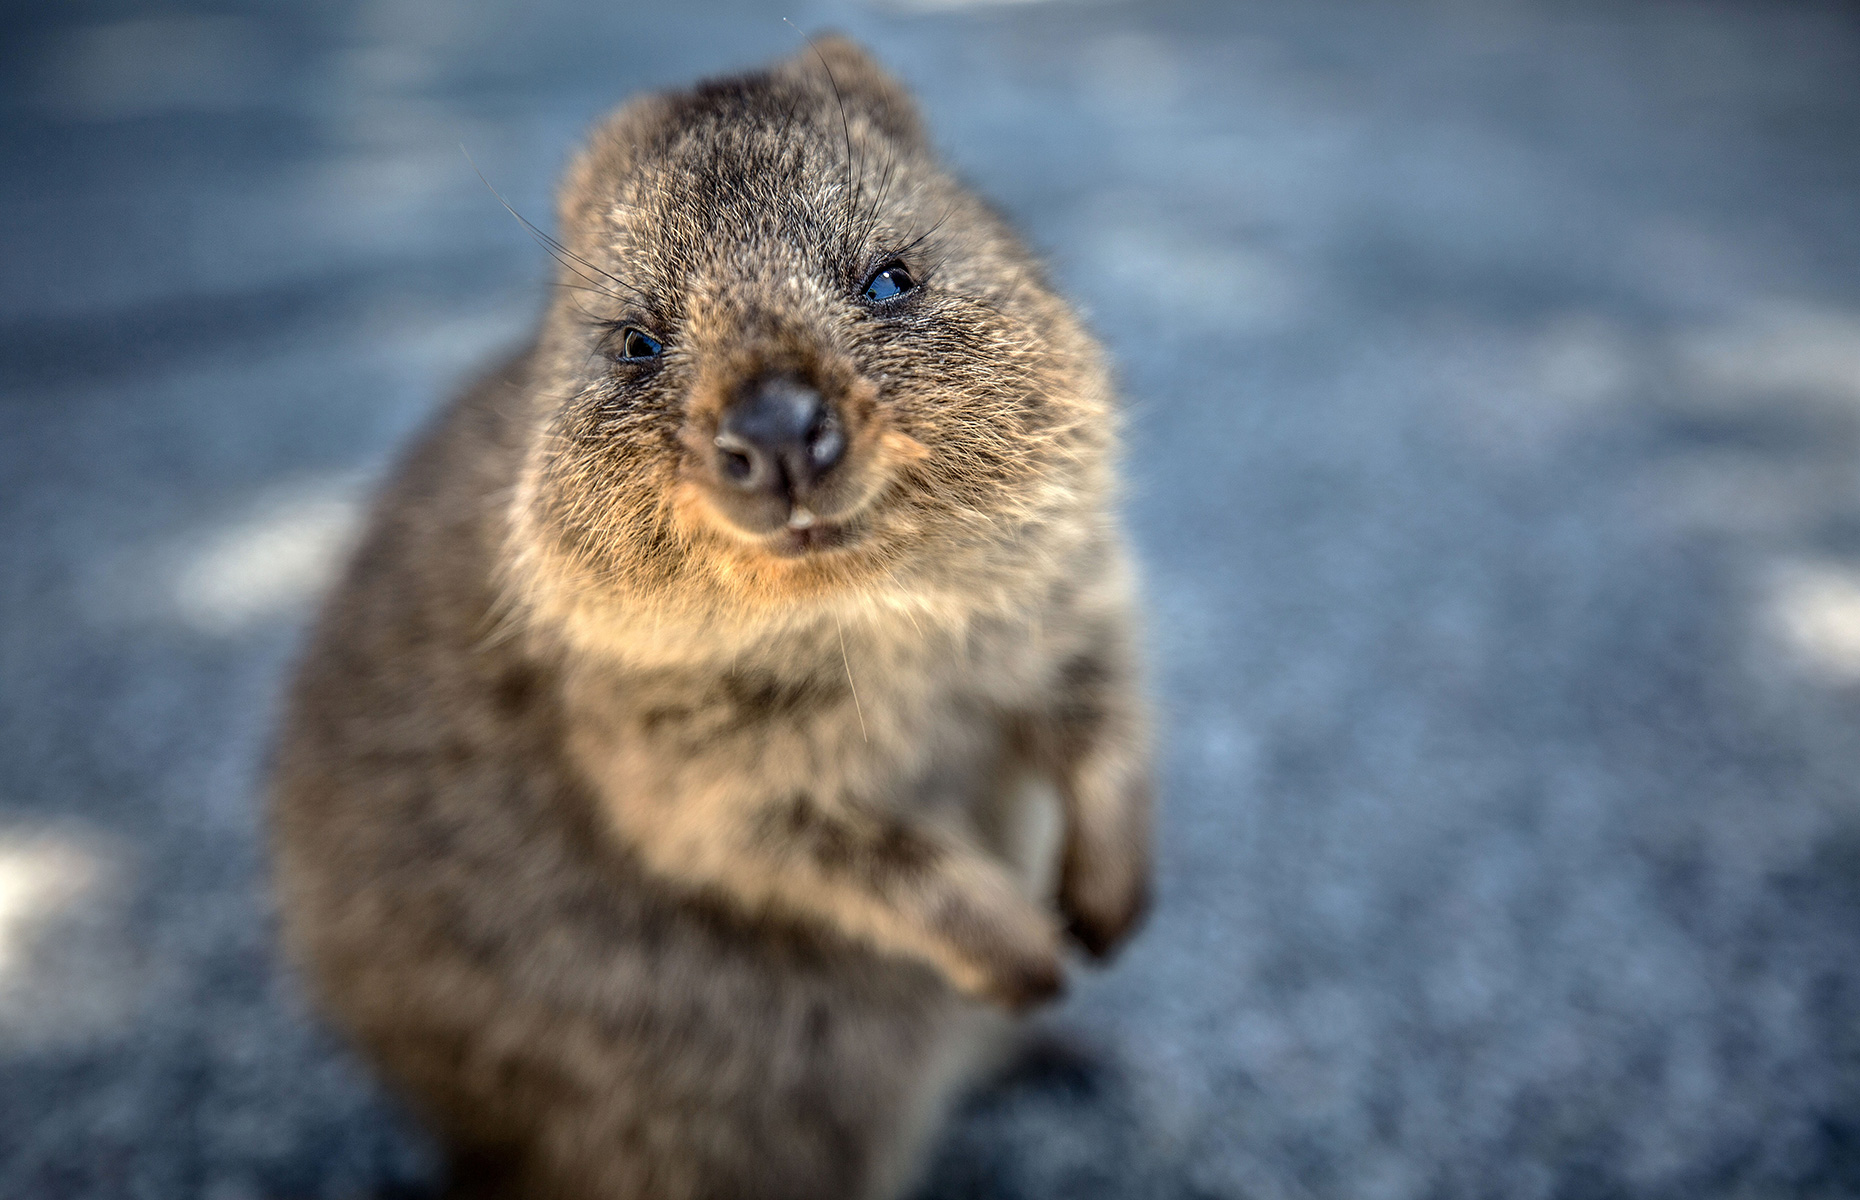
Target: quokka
x,y
732,711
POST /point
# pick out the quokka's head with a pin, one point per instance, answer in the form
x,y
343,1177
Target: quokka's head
x,y
791,359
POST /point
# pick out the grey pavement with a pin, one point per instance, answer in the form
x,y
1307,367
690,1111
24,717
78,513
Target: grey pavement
x,y
1494,452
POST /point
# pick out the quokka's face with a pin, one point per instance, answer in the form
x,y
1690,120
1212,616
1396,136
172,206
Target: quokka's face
x,y
790,354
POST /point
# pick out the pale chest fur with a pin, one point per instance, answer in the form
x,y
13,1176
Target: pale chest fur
x,y
889,715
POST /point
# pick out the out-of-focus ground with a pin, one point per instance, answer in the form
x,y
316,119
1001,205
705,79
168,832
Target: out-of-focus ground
x,y
1494,380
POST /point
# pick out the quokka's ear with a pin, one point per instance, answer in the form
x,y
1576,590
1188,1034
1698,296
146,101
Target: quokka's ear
x,y
612,149
837,64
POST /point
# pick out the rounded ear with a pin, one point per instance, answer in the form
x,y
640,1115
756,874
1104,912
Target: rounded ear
x,y
840,66
612,148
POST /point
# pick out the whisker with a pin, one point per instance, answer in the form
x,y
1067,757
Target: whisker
x,y
851,198
853,687
567,258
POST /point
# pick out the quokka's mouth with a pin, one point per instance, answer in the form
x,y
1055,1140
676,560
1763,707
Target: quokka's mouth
x,y
814,538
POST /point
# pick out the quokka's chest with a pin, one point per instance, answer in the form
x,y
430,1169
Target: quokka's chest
x,y
921,743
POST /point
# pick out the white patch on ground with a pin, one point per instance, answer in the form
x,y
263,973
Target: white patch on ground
x,y
268,563
1814,609
1730,491
63,963
1523,399
1790,350
38,877
1582,362
1778,361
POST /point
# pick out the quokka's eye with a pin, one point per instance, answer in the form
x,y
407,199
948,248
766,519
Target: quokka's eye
x,y
889,282
637,344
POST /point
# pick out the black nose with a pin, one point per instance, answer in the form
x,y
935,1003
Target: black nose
x,y
779,437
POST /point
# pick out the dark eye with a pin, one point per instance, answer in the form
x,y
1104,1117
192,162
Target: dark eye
x,y
892,281
637,344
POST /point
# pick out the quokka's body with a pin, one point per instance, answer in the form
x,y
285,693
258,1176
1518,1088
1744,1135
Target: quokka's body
x,y
731,706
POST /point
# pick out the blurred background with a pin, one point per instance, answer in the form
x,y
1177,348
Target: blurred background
x,y
1494,451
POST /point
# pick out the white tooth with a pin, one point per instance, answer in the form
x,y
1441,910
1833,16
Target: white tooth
x,y
800,518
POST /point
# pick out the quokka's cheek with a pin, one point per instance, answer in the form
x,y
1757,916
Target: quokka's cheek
x,y
897,449
696,514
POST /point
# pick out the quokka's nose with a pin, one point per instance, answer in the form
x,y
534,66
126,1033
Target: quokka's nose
x,y
779,437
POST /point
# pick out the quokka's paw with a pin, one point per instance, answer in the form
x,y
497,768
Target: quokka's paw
x,y
1102,929
1104,893
1028,984
1005,952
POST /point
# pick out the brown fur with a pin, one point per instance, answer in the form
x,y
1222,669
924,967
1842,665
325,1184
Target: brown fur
x,y
656,849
